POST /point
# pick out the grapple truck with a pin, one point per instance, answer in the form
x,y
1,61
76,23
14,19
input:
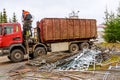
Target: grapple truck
x,y
50,35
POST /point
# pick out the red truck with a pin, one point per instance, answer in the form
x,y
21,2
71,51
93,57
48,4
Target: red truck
x,y
51,34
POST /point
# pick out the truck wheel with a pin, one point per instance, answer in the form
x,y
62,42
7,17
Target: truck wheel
x,y
40,51
73,48
84,46
16,55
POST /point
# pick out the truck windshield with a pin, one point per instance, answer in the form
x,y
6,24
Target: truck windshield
x,y
0,30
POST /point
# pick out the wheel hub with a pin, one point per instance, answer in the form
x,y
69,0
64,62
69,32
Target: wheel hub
x,y
74,48
40,52
17,56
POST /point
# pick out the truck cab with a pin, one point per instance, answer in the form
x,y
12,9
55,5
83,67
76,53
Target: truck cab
x,y
10,40
10,33
14,46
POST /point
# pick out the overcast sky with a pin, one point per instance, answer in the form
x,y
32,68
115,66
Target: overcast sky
x,y
93,9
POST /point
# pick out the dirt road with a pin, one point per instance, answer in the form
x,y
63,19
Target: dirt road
x,y
6,65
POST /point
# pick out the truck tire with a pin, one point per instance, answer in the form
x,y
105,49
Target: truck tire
x,y
16,55
39,51
73,48
84,45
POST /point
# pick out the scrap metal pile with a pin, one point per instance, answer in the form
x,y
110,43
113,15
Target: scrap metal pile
x,y
82,61
79,61
86,58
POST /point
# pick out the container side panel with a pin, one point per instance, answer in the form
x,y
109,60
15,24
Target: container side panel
x,y
48,29
43,31
87,27
40,24
76,28
94,29
56,29
82,30
70,28
64,31
91,30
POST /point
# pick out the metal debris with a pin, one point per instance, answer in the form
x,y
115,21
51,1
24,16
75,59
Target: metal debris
x,y
51,66
87,57
79,61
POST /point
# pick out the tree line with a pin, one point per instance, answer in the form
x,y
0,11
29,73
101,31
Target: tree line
x,y
4,17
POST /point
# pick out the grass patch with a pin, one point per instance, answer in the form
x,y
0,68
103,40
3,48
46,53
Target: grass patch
x,y
109,45
112,59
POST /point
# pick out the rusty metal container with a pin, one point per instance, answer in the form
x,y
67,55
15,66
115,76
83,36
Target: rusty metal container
x,y
65,29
